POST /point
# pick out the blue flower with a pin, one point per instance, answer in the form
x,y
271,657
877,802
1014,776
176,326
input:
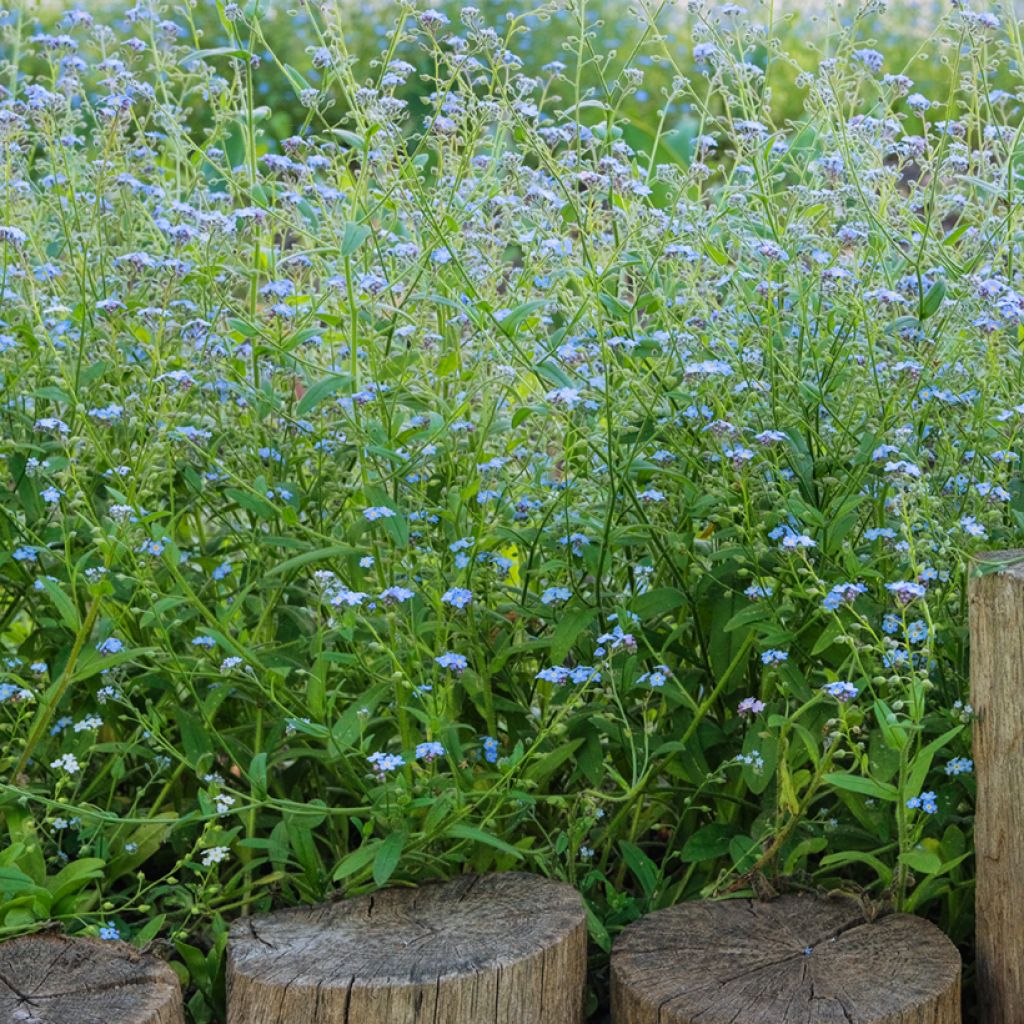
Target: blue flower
x,y
843,691
429,751
382,763
925,802
455,662
457,597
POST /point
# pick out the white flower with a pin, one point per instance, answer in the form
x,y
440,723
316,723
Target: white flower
x,y
215,855
67,762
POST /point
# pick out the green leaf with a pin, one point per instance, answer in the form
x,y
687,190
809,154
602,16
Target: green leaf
x,y
319,391
349,725
354,235
543,769
477,835
658,602
64,605
895,736
718,255
149,931
836,860
74,876
644,869
933,298
242,327
924,862
356,860
568,631
744,852
215,51
708,843
253,503
859,784
319,555
195,738
298,83
828,637
922,762
386,858
514,319
258,776
13,880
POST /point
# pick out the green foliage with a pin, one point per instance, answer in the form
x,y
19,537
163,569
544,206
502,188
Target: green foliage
x,y
420,457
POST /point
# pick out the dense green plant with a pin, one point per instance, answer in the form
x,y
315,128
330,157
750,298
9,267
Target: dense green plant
x,y
457,486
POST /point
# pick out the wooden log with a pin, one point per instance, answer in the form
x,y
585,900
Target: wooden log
x,y
996,600
795,960
492,949
54,979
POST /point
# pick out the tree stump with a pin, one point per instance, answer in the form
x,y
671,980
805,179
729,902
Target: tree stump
x,y
796,960
492,949
54,979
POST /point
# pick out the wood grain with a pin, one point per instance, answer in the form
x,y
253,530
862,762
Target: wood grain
x,y
795,960
996,600
53,979
492,949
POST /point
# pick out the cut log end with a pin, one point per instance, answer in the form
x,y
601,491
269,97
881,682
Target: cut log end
x,y
795,960
493,949
54,979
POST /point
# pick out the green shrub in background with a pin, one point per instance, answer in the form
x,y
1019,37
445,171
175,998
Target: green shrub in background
x,y
566,461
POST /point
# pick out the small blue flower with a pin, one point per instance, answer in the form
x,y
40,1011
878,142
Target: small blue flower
x,y
925,802
454,662
429,751
457,597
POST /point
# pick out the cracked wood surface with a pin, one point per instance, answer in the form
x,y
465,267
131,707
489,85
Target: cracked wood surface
x,y
996,601
54,979
494,949
795,960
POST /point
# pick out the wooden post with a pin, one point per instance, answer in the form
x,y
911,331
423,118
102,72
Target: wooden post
x,y
996,594
795,960
53,979
493,949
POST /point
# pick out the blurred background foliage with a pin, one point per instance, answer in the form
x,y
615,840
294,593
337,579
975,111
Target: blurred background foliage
x,y
617,34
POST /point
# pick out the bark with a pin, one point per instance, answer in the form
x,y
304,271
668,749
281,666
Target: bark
x,y
997,694
493,949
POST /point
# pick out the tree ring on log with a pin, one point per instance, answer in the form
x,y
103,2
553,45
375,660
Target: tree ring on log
x,y
493,949
57,979
795,960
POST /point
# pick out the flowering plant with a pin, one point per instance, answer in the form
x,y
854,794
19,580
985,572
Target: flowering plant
x,y
454,482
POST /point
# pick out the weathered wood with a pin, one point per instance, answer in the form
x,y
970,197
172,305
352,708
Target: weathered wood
x,y
492,949
997,693
795,960
53,979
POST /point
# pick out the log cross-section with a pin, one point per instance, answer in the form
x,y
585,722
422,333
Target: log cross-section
x,y
492,949
795,960
54,979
